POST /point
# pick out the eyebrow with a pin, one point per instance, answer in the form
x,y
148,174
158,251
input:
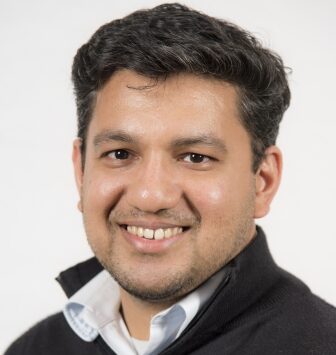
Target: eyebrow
x,y
109,135
179,142
203,139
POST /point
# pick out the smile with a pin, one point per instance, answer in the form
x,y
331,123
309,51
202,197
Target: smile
x,y
157,234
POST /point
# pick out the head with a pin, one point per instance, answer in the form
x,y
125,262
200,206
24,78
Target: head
x,y
178,115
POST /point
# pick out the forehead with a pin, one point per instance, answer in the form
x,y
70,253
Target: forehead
x,y
183,103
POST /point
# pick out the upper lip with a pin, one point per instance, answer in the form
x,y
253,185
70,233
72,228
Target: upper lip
x,y
151,224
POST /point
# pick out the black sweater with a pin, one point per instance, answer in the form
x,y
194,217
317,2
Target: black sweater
x,y
258,309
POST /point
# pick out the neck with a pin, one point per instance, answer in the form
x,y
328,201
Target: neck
x,y
137,314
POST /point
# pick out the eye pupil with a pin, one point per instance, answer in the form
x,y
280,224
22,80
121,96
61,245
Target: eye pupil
x,y
196,158
121,154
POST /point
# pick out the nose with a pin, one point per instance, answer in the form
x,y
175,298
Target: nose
x,y
153,187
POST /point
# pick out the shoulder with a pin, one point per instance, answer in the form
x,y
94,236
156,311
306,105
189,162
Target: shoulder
x,y
297,303
297,320
50,336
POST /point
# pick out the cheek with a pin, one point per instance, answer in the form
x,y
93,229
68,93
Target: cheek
x,y
101,191
221,198
215,195
211,197
213,200
99,195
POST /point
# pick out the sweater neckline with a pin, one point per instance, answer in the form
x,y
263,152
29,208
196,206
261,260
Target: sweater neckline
x,y
248,276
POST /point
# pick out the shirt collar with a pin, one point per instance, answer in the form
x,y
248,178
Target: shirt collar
x,y
94,305
97,304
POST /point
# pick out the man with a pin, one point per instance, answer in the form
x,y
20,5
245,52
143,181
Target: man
x,y
178,115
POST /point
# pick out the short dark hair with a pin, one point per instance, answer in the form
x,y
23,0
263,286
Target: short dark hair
x,y
171,39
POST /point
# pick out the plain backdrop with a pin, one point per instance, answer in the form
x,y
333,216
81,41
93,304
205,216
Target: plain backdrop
x,y
41,229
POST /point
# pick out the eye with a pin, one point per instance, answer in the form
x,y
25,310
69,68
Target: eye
x,y
196,158
119,154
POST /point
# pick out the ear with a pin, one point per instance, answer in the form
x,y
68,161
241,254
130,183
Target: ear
x,y
267,180
78,168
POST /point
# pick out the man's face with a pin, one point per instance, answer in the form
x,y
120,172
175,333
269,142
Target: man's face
x,y
170,159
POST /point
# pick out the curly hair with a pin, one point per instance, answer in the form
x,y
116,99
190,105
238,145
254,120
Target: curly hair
x,y
171,39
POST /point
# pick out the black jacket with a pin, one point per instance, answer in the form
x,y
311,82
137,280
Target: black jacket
x,y
258,309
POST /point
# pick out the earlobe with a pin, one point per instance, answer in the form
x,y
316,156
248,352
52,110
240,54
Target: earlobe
x,y
267,180
77,165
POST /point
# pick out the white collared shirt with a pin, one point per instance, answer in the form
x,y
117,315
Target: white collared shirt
x,y
94,310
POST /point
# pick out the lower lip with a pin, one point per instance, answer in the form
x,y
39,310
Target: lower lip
x,y
151,246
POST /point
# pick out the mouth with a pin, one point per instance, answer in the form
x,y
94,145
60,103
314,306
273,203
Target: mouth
x,y
154,234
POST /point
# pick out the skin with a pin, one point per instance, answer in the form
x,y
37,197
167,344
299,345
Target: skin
x,y
214,195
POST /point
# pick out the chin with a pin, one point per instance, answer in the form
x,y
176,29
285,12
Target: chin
x,y
151,287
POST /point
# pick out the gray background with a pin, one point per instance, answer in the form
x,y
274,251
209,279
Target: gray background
x,y
41,230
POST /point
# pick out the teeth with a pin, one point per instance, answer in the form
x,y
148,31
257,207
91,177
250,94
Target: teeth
x,y
168,233
159,234
139,232
148,233
156,234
